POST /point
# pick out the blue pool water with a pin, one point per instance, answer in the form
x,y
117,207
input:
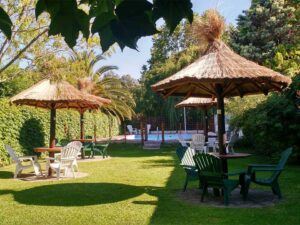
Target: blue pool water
x,y
158,137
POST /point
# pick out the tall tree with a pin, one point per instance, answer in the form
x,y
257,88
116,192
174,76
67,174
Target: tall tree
x,y
98,81
269,34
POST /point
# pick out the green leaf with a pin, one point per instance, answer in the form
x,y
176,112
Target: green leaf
x,y
5,23
173,11
66,19
132,20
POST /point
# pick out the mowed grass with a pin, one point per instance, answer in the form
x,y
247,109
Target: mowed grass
x,y
134,187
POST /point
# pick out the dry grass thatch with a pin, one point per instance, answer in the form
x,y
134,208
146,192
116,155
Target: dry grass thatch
x,y
47,94
220,65
194,102
208,28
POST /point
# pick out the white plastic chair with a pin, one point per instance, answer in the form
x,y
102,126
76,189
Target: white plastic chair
x,y
148,128
233,139
131,129
66,160
211,144
183,142
19,162
198,142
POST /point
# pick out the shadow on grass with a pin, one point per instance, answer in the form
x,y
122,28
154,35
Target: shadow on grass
x,y
78,194
6,175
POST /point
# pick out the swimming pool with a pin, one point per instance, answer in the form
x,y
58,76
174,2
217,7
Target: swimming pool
x,y
158,137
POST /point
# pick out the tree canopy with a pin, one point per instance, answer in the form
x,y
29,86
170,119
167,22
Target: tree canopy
x,y
115,21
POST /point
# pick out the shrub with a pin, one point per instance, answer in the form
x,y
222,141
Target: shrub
x,y
274,124
26,127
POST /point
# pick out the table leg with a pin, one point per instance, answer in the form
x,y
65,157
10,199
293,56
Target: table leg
x,y
51,154
82,153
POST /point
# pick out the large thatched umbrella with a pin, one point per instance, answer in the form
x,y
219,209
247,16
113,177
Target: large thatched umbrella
x,y
220,73
57,95
199,103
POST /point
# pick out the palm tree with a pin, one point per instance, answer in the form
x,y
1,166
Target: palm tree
x,y
101,82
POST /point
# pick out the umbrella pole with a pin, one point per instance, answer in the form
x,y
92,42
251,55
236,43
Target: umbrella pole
x,y
81,125
221,125
206,124
52,127
52,133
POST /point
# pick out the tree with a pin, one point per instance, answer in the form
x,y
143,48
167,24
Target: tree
x,y
268,33
134,18
100,82
25,32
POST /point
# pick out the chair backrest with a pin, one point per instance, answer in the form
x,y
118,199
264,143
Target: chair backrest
x,y
211,142
12,153
148,128
182,141
209,166
198,138
185,156
130,129
280,166
71,150
284,157
63,142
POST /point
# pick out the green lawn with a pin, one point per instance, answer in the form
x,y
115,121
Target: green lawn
x,y
134,187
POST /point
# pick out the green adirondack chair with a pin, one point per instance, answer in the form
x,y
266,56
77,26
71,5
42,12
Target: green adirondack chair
x,y
185,155
101,148
271,181
211,175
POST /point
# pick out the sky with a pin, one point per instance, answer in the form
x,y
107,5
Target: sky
x,y
131,61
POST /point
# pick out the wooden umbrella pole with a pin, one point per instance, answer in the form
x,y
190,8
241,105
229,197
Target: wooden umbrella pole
x,y
221,124
206,124
52,126
81,125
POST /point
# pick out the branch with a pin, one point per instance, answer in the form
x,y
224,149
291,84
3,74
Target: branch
x,y
22,51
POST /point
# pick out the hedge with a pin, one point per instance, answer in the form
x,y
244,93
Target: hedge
x,y
25,127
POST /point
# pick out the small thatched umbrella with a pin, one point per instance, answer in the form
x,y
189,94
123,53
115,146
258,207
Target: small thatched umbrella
x,y
56,95
199,103
220,73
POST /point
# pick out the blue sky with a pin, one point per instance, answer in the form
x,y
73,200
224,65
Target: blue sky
x,y
130,61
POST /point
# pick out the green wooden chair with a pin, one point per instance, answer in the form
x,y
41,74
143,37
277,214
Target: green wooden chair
x,y
185,155
271,181
101,148
211,175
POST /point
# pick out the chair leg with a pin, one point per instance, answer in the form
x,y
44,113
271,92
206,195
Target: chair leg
x,y
246,187
186,182
72,169
226,196
276,190
58,173
204,191
18,170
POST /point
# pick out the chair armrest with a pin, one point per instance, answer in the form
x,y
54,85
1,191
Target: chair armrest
x,y
265,169
50,158
262,165
237,172
30,157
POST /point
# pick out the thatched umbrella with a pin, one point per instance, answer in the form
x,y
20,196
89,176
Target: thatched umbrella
x,y
220,73
57,95
199,103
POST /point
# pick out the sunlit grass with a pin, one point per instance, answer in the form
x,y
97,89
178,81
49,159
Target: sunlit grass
x,y
134,187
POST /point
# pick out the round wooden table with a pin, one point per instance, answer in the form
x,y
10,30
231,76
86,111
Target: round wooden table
x,y
230,155
51,151
84,140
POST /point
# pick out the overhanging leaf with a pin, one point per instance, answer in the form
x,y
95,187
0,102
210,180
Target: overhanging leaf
x,y
5,23
173,11
66,19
